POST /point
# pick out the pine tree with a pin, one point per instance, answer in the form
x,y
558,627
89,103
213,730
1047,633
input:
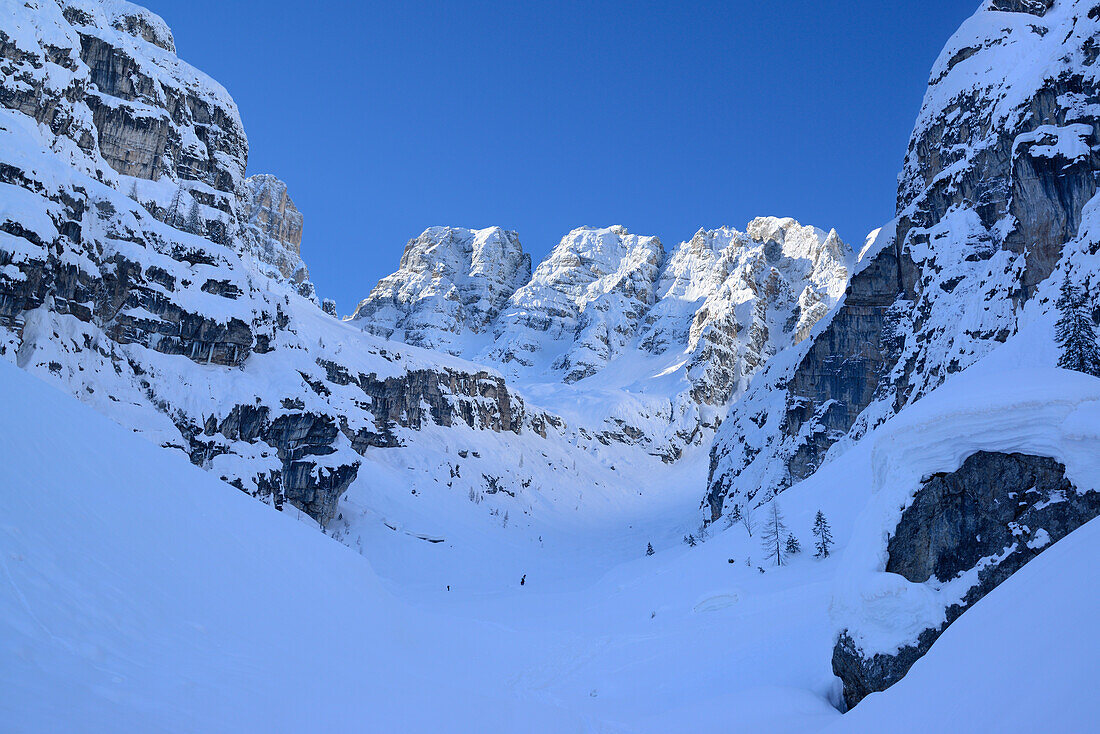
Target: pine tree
x,y
194,219
649,549
734,517
772,536
690,540
823,535
1074,331
793,546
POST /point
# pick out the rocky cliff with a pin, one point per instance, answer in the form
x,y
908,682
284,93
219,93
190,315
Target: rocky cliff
x,y
142,271
451,284
613,314
1000,166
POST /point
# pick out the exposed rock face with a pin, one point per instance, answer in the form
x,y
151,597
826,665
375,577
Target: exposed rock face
x,y
273,231
971,528
1000,166
140,271
609,311
451,282
583,304
733,300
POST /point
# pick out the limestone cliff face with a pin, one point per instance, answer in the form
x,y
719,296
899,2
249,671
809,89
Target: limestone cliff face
x,y
973,527
583,303
141,271
272,231
1000,166
451,283
732,300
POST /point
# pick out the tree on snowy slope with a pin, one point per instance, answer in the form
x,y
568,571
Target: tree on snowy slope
x,y
1074,331
823,535
793,546
174,216
194,219
772,536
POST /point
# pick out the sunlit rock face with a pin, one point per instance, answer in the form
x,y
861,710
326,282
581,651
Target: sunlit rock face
x,y
451,283
1001,164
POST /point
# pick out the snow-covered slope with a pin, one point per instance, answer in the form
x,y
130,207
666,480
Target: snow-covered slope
x,y
993,206
1022,659
138,594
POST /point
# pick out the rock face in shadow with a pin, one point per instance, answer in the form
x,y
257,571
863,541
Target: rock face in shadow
x,y
1004,157
978,525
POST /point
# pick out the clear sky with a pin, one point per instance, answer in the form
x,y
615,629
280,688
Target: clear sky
x,y
388,117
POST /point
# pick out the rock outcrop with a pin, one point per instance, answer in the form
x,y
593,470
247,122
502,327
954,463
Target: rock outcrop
x,y
967,530
142,272
1000,166
451,283
273,232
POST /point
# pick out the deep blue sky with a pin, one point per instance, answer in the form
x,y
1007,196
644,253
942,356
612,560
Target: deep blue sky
x,y
388,117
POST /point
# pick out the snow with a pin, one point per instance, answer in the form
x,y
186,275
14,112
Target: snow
x,y
139,593
1024,658
1017,411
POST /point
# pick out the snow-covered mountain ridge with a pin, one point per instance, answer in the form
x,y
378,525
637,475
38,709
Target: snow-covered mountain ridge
x,y
613,314
147,274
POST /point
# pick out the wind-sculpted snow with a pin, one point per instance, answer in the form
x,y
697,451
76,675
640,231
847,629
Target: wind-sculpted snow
x,y
1000,168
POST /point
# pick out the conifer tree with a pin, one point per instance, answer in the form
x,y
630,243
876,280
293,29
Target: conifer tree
x,y
174,215
772,535
649,549
793,546
194,219
823,535
1074,331
734,516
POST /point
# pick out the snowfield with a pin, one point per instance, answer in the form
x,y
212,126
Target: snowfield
x,y
140,595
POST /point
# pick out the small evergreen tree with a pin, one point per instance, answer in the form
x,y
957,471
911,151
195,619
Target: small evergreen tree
x,y
772,535
649,549
793,546
174,215
194,219
1074,331
690,540
823,536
